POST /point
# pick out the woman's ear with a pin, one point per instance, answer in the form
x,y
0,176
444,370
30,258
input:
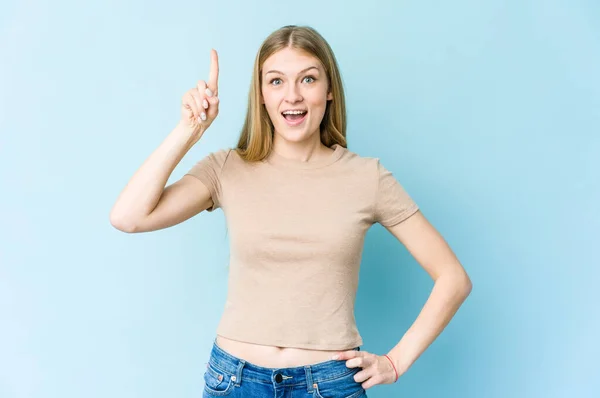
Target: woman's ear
x,y
329,91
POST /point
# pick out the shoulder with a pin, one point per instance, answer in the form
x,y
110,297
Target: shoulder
x,y
212,163
358,162
218,158
369,168
228,161
372,161
222,155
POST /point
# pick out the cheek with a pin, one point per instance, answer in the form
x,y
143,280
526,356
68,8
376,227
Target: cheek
x,y
318,103
317,97
271,102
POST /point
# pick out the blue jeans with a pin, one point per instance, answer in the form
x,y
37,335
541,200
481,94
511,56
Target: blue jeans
x,y
227,375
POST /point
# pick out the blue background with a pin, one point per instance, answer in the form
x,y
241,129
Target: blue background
x,y
487,112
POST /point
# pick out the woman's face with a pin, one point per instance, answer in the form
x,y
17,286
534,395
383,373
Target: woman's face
x,y
295,94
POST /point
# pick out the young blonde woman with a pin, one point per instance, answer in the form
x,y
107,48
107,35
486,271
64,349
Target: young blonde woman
x,y
298,204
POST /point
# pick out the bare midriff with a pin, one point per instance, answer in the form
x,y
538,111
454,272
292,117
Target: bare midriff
x,y
272,356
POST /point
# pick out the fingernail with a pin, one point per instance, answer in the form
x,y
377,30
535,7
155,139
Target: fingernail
x,y
198,119
208,92
205,104
203,116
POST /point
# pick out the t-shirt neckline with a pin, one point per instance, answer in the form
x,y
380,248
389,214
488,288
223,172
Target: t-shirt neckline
x,y
278,160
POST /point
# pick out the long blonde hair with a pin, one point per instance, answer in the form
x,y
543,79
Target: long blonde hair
x,y
256,138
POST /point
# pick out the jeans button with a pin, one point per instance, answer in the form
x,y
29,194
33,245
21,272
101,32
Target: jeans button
x,y
278,378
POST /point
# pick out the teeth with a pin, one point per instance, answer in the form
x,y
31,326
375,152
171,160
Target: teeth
x,y
293,112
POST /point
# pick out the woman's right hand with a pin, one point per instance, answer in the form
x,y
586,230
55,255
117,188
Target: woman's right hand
x,y
200,105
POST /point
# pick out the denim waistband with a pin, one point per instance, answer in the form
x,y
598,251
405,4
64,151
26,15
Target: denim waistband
x,y
294,376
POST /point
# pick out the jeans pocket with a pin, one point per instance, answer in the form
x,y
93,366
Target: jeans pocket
x,y
341,387
217,382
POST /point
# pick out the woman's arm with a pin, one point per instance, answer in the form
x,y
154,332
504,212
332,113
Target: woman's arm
x,y
145,204
451,288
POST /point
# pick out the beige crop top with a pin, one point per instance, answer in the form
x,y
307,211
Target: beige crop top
x,y
296,232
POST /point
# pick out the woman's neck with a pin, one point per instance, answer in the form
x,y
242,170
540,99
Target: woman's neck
x,y
304,151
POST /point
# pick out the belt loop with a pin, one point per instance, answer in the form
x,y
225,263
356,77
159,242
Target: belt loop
x,y
238,372
309,379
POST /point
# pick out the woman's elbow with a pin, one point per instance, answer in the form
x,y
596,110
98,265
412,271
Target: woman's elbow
x,y
121,223
465,284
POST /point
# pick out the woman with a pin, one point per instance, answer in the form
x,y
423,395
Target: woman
x,y
298,205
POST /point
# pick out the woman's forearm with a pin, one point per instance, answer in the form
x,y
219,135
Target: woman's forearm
x,y
144,189
448,293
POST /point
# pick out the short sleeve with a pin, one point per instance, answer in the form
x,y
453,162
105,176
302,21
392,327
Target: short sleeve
x,y
208,170
392,203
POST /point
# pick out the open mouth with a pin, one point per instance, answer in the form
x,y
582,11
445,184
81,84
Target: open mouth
x,y
294,118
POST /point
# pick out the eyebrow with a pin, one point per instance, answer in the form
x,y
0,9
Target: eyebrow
x,y
302,71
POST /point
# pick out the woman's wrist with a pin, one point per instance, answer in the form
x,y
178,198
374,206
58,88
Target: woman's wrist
x,y
188,133
396,375
399,365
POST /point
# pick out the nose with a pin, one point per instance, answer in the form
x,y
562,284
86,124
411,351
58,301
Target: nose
x,y
293,94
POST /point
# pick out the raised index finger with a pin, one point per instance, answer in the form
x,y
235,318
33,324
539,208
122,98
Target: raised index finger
x,y
213,77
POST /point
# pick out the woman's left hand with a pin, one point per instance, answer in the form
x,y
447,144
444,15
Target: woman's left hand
x,y
376,369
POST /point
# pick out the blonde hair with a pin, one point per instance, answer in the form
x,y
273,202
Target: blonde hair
x,y
256,138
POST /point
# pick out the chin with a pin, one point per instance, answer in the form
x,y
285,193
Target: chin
x,y
292,135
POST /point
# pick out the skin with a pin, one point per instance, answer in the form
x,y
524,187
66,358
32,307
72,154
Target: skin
x,y
296,80
451,287
290,80
288,83
146,205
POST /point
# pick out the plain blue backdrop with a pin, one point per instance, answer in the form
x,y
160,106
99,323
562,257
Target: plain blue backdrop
x,y
487,112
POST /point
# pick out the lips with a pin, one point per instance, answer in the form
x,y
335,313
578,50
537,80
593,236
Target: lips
x,y
294,119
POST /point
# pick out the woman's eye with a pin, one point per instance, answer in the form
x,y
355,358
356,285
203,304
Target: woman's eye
x,y
310,78
276,81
